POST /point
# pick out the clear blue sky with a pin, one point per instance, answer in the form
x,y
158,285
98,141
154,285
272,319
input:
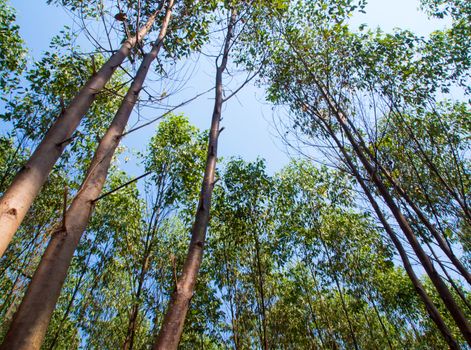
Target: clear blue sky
x,y
247,119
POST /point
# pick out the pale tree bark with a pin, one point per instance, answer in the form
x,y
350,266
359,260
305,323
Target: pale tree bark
x,y
17,199
172,325
30,323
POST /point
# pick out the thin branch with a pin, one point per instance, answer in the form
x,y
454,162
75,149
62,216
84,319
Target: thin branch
x,y
120,187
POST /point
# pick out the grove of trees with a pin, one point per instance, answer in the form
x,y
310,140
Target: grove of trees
x,y
361,241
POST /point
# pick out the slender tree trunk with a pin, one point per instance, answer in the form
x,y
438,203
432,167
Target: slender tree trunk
x,y
448,277
461,201
258,281
31,321
342,299
439,238
370,298
17,199
419,288
132,325
235,332
172,325
331,336
440,286
128,343
311,308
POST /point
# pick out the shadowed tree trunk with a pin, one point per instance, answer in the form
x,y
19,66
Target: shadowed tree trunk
x,y
128,343
172,325
440,286
346,126
17,199
30,323
259,286
419,288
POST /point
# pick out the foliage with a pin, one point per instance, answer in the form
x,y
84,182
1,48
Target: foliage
x,y
294,259
12,50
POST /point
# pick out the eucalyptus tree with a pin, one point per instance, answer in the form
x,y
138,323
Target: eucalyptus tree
x,y
172,325
38,95
18,197
93,267
144,247
30,322
441,135
321,73
326,276
240,16
175,158
242,229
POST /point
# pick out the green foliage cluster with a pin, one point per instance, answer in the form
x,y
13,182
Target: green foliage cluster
x,y
12,50
294,259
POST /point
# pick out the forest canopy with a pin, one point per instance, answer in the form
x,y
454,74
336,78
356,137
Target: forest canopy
x,y
123,227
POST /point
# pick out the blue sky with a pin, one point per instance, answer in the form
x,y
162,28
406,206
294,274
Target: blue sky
x,y
249,131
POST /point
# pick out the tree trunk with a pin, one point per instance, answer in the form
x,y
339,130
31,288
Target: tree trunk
x,y
439,238
419,288
128,343
72,299
17,199
342,299
31,321
172,325
440,286
262,305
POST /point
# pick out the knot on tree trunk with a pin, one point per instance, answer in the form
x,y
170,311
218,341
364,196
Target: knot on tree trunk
x,y
12,212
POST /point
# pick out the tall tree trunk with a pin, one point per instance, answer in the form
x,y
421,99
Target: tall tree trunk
x,y
419,288
128,343
260,285
31,321
339,289
440,286
431,165
439,238
17,199
172,325
230,285
75,291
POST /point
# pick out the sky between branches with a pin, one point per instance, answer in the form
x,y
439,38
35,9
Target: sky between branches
x,y
247,119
